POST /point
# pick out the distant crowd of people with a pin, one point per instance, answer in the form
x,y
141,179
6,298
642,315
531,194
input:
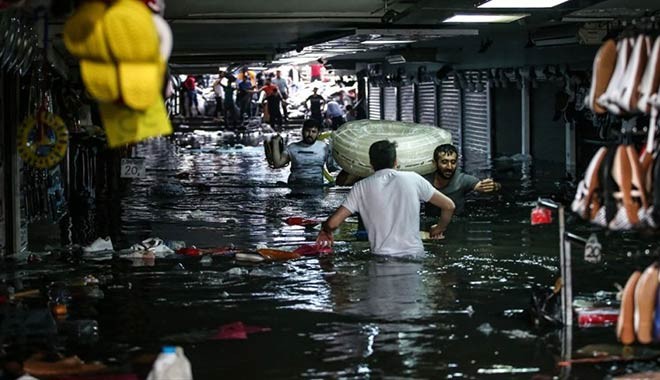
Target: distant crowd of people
x,y
236,97
241,96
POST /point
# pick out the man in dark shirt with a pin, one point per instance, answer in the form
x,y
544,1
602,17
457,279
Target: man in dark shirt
x,y
315,102
455,184
273,100
231,112
244,97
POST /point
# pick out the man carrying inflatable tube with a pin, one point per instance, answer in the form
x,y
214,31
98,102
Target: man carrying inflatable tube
x,y
307,157
454,184
389,203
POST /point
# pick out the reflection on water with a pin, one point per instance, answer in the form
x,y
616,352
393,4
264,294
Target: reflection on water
x,y
454,313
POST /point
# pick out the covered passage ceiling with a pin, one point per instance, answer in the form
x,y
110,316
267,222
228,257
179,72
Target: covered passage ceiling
x,y
211,33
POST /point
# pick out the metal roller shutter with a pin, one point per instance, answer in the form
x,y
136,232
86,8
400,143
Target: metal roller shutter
x,y
407,103
374,103
426,103
476,120
450,110
389,103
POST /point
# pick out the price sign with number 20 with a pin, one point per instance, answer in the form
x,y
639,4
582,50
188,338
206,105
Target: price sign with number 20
x,y
132,168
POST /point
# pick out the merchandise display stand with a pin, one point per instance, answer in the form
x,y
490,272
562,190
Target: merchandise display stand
x,y
566,241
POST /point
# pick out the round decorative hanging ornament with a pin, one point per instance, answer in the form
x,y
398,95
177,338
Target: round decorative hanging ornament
x,y
43,140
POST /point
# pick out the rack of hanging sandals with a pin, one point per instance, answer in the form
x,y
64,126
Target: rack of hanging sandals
x,y
621,186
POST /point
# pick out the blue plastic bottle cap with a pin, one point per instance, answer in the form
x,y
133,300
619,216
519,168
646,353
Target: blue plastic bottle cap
x,y
169,350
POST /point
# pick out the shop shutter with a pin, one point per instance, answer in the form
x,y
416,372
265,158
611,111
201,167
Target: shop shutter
x,y
389,103
426,103
407,102
450,110
476,119
374,103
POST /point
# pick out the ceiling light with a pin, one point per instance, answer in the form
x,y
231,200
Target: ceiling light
x,y
476,18
342,50
395,59
521,3
386,42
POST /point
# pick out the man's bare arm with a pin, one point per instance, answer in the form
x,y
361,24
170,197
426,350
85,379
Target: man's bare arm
x,y
280,158
335,220
447,206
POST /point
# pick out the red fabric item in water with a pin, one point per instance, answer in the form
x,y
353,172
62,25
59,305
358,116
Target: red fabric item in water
x,y
237,330
312,250
299,221
189,251
541,215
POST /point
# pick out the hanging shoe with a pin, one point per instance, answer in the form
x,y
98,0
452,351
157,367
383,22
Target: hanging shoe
x,y
606,100
629,94
99,245
603,68
651,79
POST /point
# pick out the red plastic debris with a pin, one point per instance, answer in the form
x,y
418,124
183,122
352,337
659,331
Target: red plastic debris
x,y
597,317
299,221
237,330
189,251
541,215
312,250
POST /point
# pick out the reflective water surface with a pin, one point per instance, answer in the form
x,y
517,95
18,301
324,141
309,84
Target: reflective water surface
x,y
457,313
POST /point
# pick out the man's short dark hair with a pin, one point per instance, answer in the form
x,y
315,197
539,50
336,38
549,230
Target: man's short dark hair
x,y
382,154
444,149
311,123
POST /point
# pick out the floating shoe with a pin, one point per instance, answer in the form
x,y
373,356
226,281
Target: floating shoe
x,y
99,245
153,245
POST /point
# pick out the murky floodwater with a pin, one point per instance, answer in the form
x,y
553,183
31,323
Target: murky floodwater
x,y
455,314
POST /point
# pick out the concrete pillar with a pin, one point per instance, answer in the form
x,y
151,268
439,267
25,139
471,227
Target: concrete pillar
x,y
570,148
526,148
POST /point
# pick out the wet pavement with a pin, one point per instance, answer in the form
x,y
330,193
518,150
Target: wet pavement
x,y
457,313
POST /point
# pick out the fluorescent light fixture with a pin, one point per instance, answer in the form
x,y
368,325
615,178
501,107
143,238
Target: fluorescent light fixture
x,y
521,3
343,50
257,68
295,60
484,18
386,42
395,59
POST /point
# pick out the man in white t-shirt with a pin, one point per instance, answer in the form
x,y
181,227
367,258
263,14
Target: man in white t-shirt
x,y
389,203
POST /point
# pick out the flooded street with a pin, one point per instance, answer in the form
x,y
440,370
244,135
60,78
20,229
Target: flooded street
x,y
457,313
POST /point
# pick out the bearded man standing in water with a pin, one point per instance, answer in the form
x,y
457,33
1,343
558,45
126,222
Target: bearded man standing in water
x,y
307,156
453,183
389,203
